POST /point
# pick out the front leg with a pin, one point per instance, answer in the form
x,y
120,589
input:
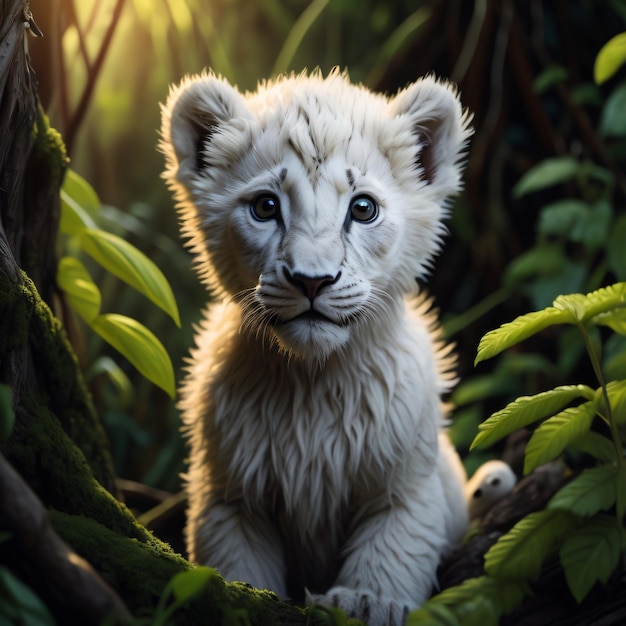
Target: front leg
x,y
242,545
392,555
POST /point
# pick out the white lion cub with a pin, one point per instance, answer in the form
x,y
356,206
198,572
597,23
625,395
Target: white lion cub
x,y
312,401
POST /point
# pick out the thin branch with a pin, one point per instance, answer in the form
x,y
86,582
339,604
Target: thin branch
x,y
85,99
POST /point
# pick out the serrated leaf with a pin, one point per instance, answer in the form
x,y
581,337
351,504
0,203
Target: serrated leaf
x,y
573,303
547,173
611,56
590,554
521,328
189,584
135,342
525,411
616,390
604,300
520,553
556,433
82,293
506,595
132,266
594,490
615,320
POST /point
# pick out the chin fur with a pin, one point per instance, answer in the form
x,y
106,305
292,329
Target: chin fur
x,y
311,339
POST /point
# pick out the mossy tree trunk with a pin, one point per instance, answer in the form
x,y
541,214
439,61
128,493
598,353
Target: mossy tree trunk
x,y
55,467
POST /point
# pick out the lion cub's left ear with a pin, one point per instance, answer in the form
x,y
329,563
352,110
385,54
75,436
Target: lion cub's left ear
x,y
441,130
195,110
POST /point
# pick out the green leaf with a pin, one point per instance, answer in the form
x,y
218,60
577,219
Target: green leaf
x,y
135,342
547,173
616,391
521,328
613,120
19,603
132,266
561,217
590,554
106,366
545,259
520,553
593,490
506,595
432,615
7,415
596,445
615,320
556,433
611,56
189,584
82,293
525,411
604,300
79,204
551,75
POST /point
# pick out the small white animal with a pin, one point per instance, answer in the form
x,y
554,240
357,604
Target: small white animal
x,y
490,483
312,400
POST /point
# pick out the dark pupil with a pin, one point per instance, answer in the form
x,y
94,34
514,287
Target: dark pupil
x,y
266,207
363,209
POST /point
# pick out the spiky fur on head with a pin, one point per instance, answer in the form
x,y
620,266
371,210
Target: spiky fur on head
x,y
312,401
315,143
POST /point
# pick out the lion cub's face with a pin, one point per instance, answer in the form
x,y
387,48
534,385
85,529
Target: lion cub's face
x,y
313,203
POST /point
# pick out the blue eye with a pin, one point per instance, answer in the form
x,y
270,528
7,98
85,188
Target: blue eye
x,y
265,207
363,209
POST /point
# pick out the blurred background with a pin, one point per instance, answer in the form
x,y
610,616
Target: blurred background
x,y
525,69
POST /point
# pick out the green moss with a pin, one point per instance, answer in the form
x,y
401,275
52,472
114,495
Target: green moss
x,y
141,571
27,326
50,145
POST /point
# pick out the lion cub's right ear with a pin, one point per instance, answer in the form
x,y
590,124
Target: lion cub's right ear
x,y
193,113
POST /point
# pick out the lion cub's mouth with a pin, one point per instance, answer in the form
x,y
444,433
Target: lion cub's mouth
x,y
313,316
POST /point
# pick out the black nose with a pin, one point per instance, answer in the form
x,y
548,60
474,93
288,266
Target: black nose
x,y
310,286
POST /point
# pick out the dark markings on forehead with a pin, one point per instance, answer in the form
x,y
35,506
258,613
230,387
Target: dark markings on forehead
x,y
282,175
350,176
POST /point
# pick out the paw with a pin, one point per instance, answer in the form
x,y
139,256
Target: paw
x,y
364,605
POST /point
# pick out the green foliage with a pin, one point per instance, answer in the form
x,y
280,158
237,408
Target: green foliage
x,y
589,542
181,589
610,58
476,602
80,205
19,604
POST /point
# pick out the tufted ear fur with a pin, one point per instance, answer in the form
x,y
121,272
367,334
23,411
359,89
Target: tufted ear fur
x,y
441,130
195,110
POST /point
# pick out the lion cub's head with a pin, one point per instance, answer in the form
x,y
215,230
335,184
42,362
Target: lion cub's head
x,y
312,202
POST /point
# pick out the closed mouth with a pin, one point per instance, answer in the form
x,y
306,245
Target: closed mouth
x,y
313,316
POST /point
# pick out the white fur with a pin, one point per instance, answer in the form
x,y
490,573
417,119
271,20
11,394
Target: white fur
x,y
317,456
